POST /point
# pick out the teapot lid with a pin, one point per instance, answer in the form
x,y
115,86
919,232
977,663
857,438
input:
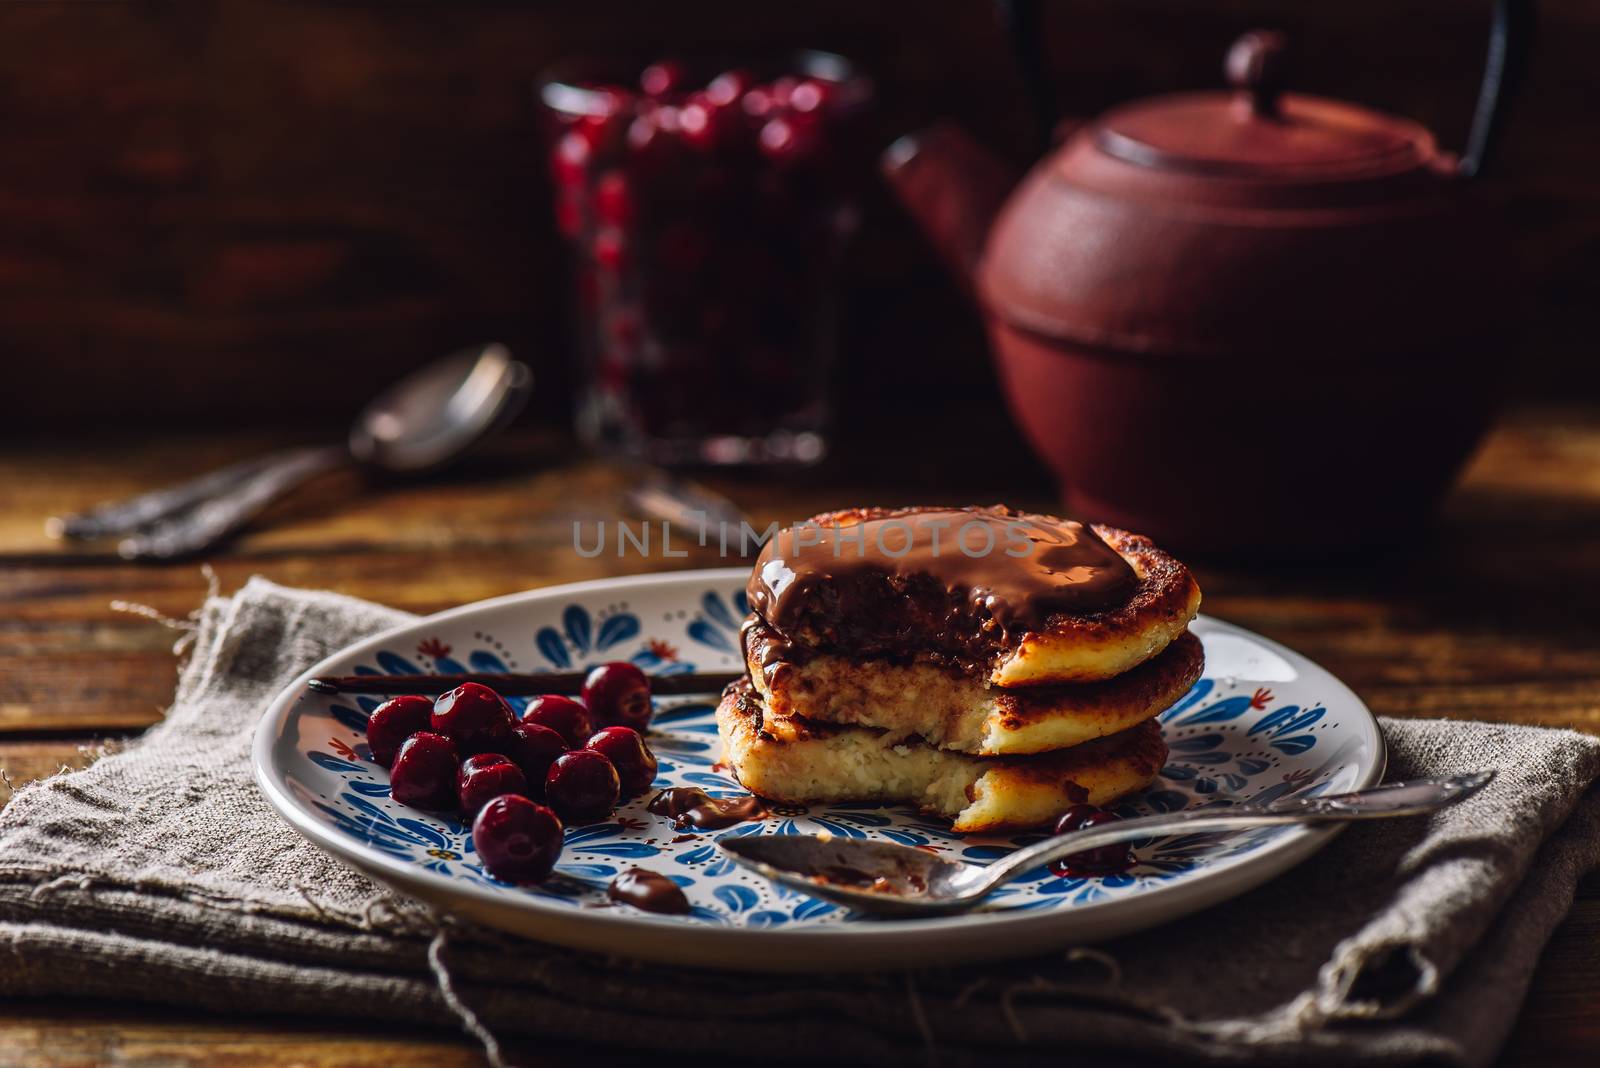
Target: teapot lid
x,y
1257,132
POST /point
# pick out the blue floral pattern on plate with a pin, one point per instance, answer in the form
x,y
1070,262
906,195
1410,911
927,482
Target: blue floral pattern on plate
x,y
1242,732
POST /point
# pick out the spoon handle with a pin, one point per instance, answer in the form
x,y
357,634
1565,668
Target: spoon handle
x,y
214,518
1392,799
140,510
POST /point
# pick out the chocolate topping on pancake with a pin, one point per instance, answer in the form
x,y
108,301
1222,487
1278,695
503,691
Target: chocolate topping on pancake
x,y
877,582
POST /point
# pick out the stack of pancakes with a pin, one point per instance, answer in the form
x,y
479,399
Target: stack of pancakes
x,y
986,665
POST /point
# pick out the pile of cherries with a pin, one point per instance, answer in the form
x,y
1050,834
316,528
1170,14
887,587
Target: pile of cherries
x,y
519,781
708,219
734,119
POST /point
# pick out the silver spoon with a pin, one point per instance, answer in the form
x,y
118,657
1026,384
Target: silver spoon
x,y
422,422
895,880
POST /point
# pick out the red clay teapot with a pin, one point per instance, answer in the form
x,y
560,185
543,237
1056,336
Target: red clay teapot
x,y
1245,320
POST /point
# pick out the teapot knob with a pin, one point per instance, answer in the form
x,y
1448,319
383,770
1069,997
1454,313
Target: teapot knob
x,y
1256,66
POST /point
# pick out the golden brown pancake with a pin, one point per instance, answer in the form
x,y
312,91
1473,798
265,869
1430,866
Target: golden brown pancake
x,y
806,762
1081,604
1102,646
958,711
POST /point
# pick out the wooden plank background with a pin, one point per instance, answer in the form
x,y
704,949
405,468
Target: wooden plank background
x,y
216,209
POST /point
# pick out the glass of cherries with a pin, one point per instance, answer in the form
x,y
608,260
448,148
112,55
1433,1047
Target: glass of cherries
x,y
708,211
519,781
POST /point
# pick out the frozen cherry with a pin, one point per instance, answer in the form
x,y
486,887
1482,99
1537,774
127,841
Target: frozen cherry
x,y
668,119
618,694
613,202
533,749
393,722
758,103
476,718
784,141
484,777
582,786
424,772
1107,860
635,764
727,87
642,134
708,124
570,159
518,840
563,715
610,249
652,135
660,80
701,126
782,89
810,97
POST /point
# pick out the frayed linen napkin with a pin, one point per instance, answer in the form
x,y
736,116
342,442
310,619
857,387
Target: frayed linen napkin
x,y
160,873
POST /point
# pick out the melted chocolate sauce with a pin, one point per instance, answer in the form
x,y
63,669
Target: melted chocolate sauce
x,y
648,890
881,586
856,879
690,806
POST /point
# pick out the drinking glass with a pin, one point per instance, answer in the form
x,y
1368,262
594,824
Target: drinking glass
x,y
707,218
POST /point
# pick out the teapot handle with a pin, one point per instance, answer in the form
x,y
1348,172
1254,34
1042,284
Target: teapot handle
x,y
1510,35
1020,20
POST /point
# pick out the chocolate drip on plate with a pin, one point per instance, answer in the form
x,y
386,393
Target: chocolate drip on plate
x,y
648,890
691,807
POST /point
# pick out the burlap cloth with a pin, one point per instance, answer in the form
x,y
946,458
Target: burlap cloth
x,y
160,874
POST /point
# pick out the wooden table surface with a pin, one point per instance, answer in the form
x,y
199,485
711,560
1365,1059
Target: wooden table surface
x,y
1493,617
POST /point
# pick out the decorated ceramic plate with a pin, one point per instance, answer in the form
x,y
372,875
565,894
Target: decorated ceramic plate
x,y
1263,722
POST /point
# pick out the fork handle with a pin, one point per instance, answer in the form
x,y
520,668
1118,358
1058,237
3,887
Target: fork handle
x,y
1379,802
141,510
217,517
